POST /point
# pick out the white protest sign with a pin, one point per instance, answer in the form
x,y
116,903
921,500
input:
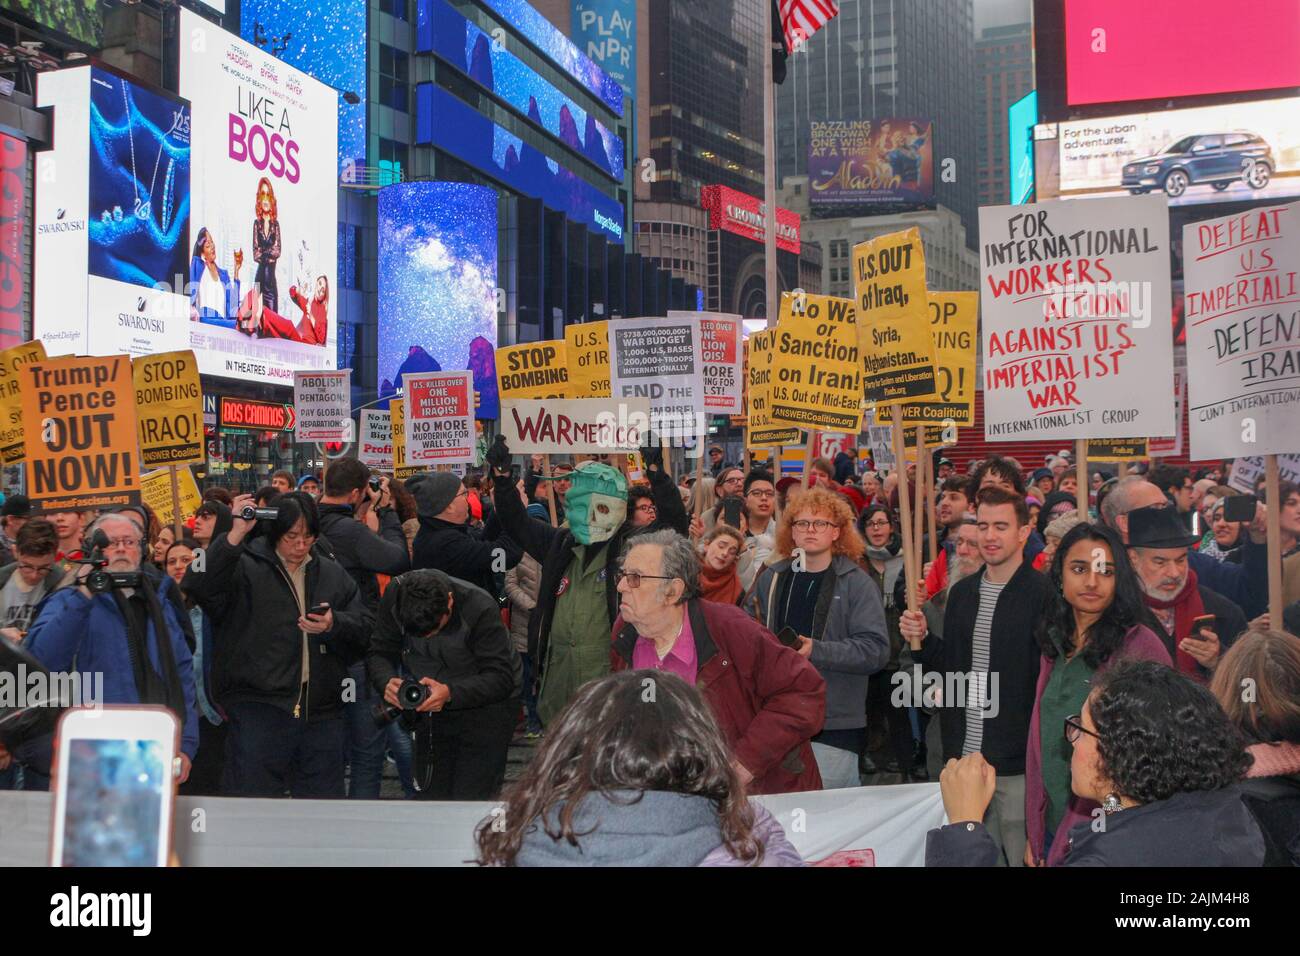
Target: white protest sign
x,y
659,359
724,359
375,441
1167,447
1075,302
1248,470
323,401
439,418
588,426
1243,332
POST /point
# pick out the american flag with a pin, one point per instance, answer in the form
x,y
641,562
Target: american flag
x,y
800,19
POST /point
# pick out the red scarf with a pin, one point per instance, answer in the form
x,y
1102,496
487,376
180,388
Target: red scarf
x,y
1187,608
720,586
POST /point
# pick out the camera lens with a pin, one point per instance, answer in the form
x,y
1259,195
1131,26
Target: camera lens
x,y
412,694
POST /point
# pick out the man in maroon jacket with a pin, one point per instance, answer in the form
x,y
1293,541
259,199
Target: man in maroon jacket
x,y
768,700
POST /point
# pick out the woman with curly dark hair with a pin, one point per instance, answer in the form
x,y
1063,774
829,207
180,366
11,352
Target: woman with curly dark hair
x,y
634,772
1156,751
1092,621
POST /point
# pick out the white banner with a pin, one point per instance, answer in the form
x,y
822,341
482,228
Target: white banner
x,y
439,418
659,359
589,426
723,357
1076,336
1247,470
1242,308
264,221
323,401
375,439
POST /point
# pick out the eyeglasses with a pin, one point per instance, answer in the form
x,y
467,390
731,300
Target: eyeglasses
x,y
736,480
878,524
124,542
756,493
1074,727
633,578
803,524
36,568
646,509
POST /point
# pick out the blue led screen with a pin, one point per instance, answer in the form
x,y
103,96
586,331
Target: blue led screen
x,y
437,285
444,121
496,69
326,39
1021,117
606,30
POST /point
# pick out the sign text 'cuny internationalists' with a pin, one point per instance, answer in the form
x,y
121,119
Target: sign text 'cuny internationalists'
x,y
439,418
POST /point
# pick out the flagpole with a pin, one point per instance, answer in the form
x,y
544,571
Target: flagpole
x,y
769,175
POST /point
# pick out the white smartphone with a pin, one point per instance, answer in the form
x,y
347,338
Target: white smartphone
x,y
114,786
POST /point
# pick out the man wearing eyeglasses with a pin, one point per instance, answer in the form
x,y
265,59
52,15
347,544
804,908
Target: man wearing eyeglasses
x,y
25,582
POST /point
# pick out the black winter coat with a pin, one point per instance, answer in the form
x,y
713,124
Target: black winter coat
x,y
460,552
257,645
363,553
1275,804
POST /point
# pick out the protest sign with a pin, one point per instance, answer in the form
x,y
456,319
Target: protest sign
x,y
81,434
588,426
533,370
1173,446
723,357
1074,302
375,439
894,336
439,418
1249,469
397,422
761,431
156,490
659,359
1243,332
169,409
1115,449
12,361
588,347
816,364
324,404
954,323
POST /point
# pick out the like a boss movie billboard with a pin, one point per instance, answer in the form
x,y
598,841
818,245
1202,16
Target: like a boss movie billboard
x,y
263,255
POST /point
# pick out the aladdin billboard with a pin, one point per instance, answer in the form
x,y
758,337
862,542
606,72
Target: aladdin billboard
x,y
876,162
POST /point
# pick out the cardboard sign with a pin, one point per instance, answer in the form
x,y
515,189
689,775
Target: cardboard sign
x,y
723,356
397,422
439,418
375,439
1132,449
1243,332
954,325
659,359
1166,447
156,490
1073,299
817,365
169,409
12,448
533,370
889,292
81,434
588,346
1249,469
589,426
323,401
760,431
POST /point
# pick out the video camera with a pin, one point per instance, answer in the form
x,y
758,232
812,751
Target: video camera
x,y
99,581
411,695
250,513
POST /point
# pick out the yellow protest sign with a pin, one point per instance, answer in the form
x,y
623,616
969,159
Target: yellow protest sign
x,y
11,402
816,364
954,325
588,348
533,370
81,434
169,409
156,490
397,420
1118,449
889,292
761,430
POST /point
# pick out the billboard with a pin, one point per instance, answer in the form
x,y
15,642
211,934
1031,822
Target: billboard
x,y
472,51
1022,116
606,31
733,211
437,285
325,39
264,228
1116,51
13,223
1241,151
112,217
875,162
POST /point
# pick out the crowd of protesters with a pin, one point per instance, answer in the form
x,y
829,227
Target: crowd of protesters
x,y
1121,665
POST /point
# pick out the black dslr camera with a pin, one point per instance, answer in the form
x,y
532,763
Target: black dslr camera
x,y
410,695
250,513
100,581
375,484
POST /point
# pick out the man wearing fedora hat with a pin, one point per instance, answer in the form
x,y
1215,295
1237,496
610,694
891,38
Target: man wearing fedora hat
x,y
1158,545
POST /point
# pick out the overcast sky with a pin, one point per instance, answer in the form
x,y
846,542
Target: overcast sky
x,y
996,13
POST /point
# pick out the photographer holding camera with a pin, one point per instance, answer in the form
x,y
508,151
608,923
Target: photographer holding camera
x,y
288,621
106,617
448,671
